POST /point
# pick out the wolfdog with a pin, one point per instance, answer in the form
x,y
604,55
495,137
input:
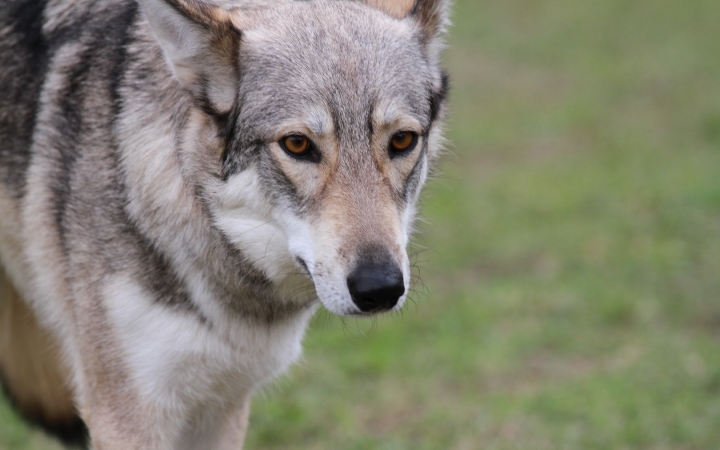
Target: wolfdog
x,y
182,183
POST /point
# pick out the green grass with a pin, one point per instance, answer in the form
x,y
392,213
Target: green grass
x,y
573,270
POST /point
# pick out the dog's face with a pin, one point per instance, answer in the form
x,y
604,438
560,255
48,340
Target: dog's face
x,y
331,122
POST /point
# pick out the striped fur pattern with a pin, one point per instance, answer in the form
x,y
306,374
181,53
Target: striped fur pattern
x,y
162,248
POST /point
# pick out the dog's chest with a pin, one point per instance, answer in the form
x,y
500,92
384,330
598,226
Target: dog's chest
x,y
186,365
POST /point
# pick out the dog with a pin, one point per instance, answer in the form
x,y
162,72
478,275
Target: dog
x,y
183,183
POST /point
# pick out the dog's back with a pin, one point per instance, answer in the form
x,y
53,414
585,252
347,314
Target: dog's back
x,y
23,56
35,38
31,371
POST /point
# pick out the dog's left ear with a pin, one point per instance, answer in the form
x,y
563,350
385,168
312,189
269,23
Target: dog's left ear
x,y
201,43
431,15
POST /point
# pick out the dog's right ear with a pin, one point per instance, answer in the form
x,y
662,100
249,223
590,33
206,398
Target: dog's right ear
x,y
431,15
201,43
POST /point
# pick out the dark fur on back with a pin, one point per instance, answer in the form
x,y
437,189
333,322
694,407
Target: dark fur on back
x,y
24,56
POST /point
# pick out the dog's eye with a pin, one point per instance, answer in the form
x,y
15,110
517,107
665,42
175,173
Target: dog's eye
x,y
295,144
403,142
300,147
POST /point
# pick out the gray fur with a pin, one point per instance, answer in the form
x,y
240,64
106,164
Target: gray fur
x,y
91,90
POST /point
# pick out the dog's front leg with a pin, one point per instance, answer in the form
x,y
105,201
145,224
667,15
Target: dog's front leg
x,y
115,423
235,427
119,413
118,420
108,432
155,378
115,416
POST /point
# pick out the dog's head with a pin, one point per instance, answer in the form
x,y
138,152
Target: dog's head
x,y
329,116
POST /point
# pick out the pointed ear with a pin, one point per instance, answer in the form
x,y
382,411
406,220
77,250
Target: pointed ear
x,y
432,15
396,8
201,43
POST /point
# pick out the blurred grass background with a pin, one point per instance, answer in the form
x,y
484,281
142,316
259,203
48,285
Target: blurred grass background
x,y
570,261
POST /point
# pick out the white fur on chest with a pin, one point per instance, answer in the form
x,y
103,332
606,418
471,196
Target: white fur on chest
x,y
190,369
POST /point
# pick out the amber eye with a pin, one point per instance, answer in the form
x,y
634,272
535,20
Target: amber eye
x,y
300,147
403,142
295,144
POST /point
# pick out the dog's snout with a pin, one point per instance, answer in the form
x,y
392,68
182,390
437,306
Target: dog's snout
x,y
376,287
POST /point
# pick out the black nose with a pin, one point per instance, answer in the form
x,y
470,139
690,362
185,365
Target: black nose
x,y
376,287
